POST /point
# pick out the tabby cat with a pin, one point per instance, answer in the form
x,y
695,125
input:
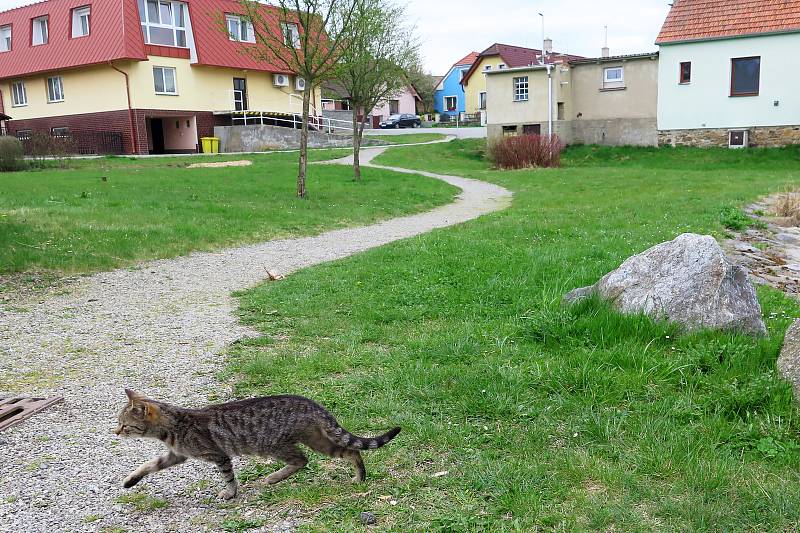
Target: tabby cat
x,y
266,427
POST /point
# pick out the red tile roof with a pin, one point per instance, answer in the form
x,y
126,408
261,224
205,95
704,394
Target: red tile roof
x,y
516,56
114,34
468,60
691,20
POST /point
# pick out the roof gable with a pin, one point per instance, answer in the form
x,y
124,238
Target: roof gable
x,y
693,20
516,56
466,61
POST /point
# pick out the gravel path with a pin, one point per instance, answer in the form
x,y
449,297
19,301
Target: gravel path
x,y
160,329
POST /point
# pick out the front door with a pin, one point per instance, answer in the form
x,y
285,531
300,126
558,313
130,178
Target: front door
x,y
157,130
239,94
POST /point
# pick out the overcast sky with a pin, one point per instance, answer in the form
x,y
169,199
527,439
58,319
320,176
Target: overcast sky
x,y
450,29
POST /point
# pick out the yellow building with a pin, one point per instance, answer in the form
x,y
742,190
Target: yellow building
x,y
139,76
500,57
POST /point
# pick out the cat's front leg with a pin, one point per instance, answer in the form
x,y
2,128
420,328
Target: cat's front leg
x,y
150,467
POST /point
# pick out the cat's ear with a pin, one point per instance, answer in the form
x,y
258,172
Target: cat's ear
x,y
151,411
131,394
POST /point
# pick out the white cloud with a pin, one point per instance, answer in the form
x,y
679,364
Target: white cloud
x,y
450,29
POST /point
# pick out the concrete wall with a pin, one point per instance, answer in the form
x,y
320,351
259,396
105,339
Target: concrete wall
x,y
617,132
706,101
262,138
638,99
344,115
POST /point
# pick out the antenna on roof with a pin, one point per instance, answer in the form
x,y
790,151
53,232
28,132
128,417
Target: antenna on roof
x,y
543,59
606,52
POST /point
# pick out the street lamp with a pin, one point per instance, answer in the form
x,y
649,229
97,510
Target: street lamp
x,y
549,68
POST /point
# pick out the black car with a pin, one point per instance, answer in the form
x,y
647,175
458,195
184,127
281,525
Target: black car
x,y
401,121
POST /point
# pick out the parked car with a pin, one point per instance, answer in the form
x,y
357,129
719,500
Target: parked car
x,y
401,121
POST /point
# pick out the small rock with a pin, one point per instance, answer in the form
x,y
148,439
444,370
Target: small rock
x,y
789,359
368,518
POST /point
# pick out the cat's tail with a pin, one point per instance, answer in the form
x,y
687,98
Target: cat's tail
x,y
341,437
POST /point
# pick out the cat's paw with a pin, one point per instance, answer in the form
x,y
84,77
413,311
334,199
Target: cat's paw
x,y
227,494
131,480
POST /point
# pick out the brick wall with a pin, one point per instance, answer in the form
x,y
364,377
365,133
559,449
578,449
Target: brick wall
x,y
115,121
771,136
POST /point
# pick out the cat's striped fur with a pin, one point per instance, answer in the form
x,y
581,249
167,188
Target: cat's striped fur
x,y
266,427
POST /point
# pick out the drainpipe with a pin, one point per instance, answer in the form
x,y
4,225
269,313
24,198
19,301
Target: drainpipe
x,y
132,123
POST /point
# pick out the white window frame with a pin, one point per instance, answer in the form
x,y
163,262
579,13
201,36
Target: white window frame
x,y
81,22
177,31
5,38
521,89
19,94
501,66
240,23
295,34
55,89
164,80
614,83
487,67
446,108
40,31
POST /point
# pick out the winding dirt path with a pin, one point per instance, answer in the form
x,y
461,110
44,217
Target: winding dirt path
x,y
159,328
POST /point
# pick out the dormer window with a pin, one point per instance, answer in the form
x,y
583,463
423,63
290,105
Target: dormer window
x,y
80,21
291,34
240,29
5,38
164,22
40,34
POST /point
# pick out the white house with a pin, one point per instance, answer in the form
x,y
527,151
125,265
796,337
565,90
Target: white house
x,y
729,73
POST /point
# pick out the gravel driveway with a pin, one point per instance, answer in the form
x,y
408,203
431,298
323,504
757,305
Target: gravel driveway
x,y
158,328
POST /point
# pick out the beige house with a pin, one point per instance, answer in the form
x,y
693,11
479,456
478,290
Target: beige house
x,y
607,100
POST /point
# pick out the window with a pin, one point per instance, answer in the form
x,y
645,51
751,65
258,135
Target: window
x,y
164,80
686,72
532,129
613,78
463,73
509,131
394,107
240,29
560,111
24,135
451,103
745,76
291,34
39,34
80,22
482,100
55,89
19,96
164,22
5,38
487,67
521,89
501,66
59,132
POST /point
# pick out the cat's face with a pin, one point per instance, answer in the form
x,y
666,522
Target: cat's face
x,y
136,417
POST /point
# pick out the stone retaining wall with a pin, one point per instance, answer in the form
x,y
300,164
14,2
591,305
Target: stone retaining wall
x,y
771,136
264,138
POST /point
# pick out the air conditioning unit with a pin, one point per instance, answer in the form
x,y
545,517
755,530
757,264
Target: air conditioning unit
x,y
280,80
300,84
738,139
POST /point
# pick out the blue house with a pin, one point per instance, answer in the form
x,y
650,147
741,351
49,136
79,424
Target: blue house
x,y
449,96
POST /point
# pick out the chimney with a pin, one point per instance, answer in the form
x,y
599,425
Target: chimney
x,y
548,46
606,52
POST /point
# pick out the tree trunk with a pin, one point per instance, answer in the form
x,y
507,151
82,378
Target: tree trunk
x,y
357,132
301,174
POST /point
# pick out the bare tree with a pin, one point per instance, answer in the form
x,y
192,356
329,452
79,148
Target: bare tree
x,y
375,64
307,38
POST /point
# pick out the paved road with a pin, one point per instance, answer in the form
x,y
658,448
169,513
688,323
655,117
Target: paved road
x,y
461,133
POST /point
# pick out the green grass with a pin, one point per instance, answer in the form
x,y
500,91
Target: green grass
x,y
543,416
71,220
142,502
411,138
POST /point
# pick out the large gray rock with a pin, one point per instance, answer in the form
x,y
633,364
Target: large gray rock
x,y
789,360
689,281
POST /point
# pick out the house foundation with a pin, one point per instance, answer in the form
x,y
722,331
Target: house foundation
x,y
759,136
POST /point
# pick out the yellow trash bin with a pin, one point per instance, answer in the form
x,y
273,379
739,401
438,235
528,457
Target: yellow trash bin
x,y
210,145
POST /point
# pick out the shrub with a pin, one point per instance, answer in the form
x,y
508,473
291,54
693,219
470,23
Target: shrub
x,y
11,154
525,151
44,146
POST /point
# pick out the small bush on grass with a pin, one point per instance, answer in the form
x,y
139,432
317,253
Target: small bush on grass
x,y
525,151
11,154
